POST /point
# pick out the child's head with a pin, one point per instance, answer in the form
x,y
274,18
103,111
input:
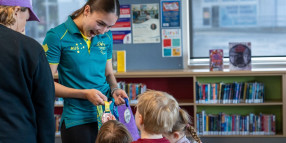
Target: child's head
x,y
156,112
113,131
181,127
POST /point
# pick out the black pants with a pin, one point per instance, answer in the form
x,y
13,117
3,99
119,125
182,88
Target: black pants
x,y
85,133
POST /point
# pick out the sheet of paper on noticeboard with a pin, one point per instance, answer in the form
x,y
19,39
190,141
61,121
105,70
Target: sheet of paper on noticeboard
x,y
171,43
145,23
171,14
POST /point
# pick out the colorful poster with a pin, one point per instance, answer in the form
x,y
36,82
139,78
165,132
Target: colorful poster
x,y
171,13
171,43
145,23
121,31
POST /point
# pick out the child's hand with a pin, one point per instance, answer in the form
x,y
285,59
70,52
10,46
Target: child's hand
x,y
111,118
106,117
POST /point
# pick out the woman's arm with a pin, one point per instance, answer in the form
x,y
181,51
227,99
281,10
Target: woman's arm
x,y
118,94
93,95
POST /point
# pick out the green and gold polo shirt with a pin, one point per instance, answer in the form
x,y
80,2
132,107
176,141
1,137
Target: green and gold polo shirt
x,y
80,66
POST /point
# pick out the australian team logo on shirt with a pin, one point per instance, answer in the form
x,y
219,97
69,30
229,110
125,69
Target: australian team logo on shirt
x,y
45,47
101,47
77,48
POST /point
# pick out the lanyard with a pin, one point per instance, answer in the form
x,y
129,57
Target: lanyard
x,y
107,107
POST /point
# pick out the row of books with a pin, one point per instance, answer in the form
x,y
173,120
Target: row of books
x,y
226,93
224,124
132,90
57,120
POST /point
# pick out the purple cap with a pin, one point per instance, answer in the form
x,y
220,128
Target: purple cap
x,y
21,3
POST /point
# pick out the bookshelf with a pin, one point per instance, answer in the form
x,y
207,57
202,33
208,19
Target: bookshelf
x,y
182,84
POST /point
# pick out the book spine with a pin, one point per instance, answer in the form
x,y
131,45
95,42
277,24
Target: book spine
x,y
201,124
198,122
197,92
273,125
121,61
204,93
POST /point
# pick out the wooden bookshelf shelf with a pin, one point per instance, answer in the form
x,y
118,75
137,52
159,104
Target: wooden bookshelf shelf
x,y
59,105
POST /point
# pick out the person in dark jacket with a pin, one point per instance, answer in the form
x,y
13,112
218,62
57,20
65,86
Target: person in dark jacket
x,y
26,82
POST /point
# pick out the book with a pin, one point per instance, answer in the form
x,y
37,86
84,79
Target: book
x,y
119,60
114,60
239,56
216,60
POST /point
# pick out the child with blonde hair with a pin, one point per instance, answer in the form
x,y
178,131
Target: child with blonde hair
x,y
113,131
156,114
181,127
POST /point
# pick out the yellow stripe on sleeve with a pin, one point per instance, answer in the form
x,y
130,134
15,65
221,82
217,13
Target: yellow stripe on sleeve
x,y
64,34
108,36
53,63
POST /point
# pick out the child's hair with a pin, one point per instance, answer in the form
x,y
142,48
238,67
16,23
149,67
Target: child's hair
x,y
113,131
184,124
159,111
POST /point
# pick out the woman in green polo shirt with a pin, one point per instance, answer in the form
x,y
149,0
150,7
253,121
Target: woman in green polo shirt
x,y
81,50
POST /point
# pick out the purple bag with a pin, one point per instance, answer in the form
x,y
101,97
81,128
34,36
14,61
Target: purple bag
x,y
126,117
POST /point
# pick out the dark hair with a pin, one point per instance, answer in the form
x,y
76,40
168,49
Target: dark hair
x,y
108,6
113,131
184,124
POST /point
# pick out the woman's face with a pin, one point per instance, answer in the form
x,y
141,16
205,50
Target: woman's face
x,y
98,23
21,18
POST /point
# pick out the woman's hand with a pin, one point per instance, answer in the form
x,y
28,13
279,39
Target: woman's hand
x,y
95,97
119,96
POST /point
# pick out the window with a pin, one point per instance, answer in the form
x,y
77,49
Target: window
x,y
215,23
51,13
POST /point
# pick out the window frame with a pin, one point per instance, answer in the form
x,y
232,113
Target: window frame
x,y
258,63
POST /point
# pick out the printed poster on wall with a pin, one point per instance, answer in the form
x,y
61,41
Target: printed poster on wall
x,y
171,43
171,13
121,31
145,23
